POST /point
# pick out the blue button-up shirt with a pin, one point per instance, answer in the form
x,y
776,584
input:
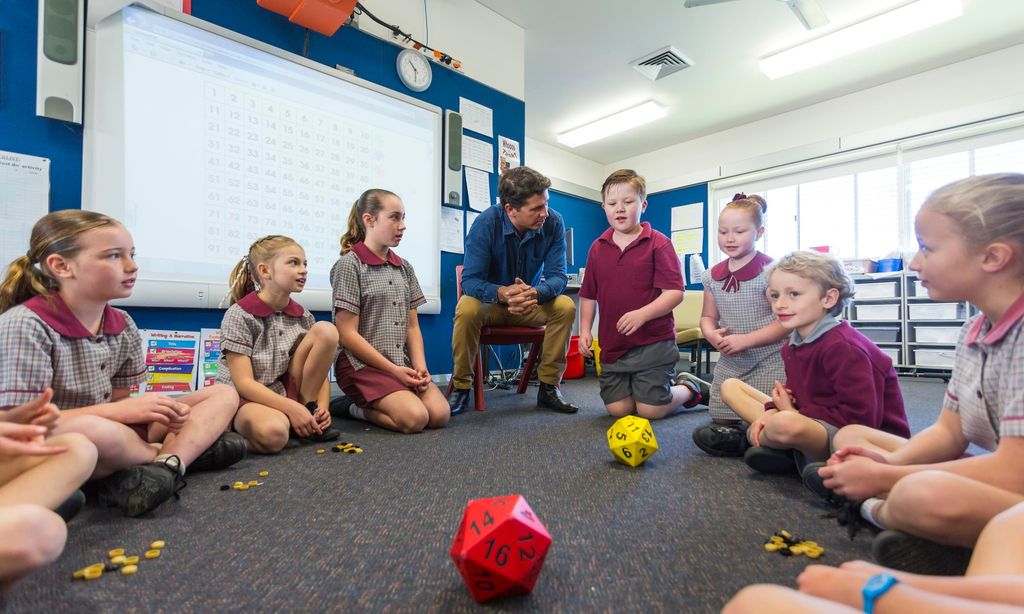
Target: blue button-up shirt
x,y
496,255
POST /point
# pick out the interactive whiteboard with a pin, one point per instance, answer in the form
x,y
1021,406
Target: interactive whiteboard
x,y
201,140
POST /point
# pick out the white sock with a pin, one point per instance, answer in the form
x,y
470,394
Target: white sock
x,y
867,508
356,412
175,461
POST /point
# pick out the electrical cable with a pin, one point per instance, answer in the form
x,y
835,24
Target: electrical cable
x,y
397,32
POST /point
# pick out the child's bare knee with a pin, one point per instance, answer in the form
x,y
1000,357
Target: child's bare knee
x,y
412,421
923,500
80,448
786,427
268,438
731,386
324,333
36,537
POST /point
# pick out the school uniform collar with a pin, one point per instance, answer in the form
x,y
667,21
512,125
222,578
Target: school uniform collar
x,y
996,333
824,325
367,257
645,233
252,303
750,270
54,311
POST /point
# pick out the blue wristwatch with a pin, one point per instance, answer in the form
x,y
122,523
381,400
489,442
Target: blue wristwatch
x,y
875,587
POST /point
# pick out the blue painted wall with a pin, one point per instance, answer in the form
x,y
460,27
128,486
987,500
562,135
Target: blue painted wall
x,y
659,214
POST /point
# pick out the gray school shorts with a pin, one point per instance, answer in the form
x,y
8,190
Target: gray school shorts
x,y
644,373
802,460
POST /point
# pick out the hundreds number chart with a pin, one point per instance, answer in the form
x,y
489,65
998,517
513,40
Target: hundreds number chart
x,y
274,167
24,198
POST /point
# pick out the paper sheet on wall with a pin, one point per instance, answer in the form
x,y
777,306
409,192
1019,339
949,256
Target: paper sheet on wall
x,y
470,218
478,154
688,216
451,230
688,241
24,198
478,188
508,154
171,360
476,117
209,341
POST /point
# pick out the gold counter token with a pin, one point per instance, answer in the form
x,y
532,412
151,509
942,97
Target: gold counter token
x,y
131,560
264,474
92,574
95,567
115,552
320,451
158,544
253,483
128,570
118,560
79,574
152,554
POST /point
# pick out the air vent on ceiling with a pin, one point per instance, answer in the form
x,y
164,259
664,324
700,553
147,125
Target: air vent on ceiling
x,y
661,63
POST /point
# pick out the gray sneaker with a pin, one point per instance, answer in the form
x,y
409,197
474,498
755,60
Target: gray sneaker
x,y
701,389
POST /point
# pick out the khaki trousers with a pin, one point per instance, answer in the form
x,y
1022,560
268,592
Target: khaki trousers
x,y
471,315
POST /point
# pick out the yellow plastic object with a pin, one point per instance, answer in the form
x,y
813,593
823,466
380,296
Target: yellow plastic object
x,y
597,356
320,451
152,554
128,570
253,483
92,574
118,560
631,439
264,474
115,552
132,560
158,544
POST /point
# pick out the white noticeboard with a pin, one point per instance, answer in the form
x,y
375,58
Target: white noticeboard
x,y
24,198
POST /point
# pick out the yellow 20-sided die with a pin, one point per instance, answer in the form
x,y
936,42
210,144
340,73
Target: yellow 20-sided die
x,y
631,440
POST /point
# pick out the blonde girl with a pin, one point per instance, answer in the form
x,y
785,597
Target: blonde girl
x,y
382,368
971,239
57,331
738,320
274,352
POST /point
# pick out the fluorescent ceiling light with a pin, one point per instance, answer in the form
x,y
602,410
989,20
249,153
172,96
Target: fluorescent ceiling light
x,y
872,31
613,124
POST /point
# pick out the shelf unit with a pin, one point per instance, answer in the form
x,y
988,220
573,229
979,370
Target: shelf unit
x,y
895,312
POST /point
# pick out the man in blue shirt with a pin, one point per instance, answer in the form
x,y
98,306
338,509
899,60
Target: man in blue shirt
x,y
508,251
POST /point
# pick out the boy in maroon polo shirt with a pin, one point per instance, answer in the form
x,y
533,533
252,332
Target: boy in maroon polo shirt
x,y
633,277
835,376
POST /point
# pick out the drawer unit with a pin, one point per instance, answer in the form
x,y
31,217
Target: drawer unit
x,y
880,334
877,289
935,311
933,358
893,353
876,312
936,334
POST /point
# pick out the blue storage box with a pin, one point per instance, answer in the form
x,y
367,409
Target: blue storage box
x,y
890,264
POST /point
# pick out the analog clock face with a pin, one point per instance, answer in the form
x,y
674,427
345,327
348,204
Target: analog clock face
x,y
414,70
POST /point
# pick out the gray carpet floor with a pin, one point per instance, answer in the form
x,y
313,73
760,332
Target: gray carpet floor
x,y
372,531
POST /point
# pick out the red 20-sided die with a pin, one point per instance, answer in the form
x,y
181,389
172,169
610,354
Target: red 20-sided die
x,y
500,547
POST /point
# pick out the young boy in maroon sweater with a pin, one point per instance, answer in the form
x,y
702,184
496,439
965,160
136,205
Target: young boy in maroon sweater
x,y
835,376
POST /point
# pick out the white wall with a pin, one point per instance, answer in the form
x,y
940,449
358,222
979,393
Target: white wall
x,y
568,172
980,88
490,47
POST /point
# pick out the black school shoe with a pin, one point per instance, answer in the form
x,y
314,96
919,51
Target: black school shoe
x,y
227,450
71,506
550,397
769,460
141,488
722,439
913,554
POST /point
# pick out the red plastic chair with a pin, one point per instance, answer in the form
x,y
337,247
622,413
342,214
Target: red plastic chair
x,y
501,335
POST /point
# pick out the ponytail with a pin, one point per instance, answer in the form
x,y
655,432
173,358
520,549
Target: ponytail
x,y
241,281
369,202
23,281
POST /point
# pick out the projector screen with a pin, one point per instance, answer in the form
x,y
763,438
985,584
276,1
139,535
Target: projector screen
x,y
201,140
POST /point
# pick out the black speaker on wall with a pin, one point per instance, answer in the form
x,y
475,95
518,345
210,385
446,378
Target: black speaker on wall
x,y
60,47
453,158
